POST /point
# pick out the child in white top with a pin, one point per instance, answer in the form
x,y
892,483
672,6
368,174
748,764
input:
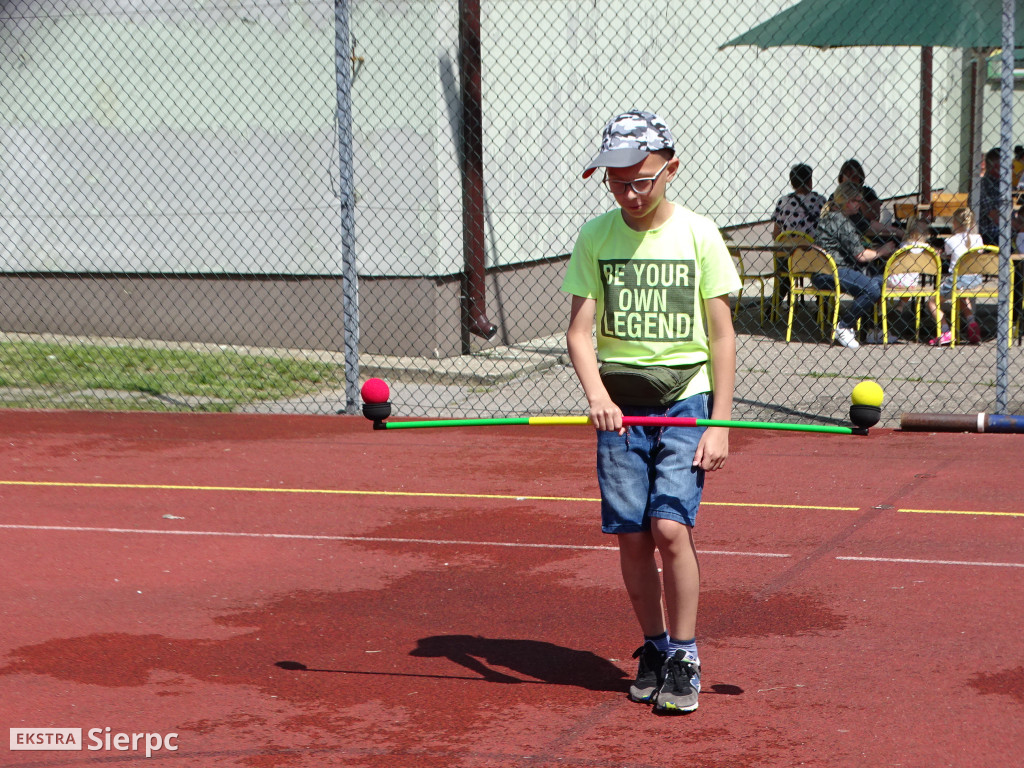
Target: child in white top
x,y
918,231
964,238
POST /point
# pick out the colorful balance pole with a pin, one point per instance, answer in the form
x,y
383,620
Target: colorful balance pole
x,y
628,421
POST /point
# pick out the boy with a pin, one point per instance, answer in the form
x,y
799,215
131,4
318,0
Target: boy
x,y
653,273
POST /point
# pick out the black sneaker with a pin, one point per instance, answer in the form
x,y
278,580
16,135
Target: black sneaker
x,y
678,692
648,674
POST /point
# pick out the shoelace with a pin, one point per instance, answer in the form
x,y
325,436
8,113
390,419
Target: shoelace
x,y
684,668
647,656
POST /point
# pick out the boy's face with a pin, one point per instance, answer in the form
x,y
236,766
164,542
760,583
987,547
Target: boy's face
x,y
641,210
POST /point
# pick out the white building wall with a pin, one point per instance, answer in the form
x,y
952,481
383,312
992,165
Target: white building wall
x,y
171,137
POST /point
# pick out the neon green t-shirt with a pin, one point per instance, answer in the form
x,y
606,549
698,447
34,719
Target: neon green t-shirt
x,y
650,287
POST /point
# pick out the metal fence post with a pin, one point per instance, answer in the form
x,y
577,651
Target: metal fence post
x,y
347,201
1006,210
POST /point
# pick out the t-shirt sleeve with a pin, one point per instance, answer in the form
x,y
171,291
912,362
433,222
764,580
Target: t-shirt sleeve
x,y
718,275
581,274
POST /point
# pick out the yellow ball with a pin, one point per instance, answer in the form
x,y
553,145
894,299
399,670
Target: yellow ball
x,y
867,393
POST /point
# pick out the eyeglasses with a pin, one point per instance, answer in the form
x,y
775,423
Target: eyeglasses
x,y
639,186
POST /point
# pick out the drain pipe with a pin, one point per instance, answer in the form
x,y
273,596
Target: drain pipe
x,y
925,186
474,290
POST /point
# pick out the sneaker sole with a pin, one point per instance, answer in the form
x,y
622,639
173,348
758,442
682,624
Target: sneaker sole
x,y
673,709
641,699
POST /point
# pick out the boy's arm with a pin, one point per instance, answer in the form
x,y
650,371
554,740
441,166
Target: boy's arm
x,y
580,341
714,444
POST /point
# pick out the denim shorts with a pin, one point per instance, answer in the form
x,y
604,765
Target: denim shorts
x,y
649,472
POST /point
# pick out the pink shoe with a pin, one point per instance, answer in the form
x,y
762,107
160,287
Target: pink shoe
x,y
944,340
973,332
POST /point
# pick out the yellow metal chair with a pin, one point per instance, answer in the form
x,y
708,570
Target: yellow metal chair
x,y
748,277
789,237
983,261
801,265
918,260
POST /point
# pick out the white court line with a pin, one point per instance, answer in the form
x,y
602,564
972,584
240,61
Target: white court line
x,y
372,539
932,562
463,543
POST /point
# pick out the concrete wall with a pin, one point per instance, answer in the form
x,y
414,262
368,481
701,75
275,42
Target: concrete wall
x,y
416,316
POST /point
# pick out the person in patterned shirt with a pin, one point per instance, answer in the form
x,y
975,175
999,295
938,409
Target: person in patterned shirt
x,y
800,209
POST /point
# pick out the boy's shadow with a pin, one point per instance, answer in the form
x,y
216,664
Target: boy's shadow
x,y
539,662
535,659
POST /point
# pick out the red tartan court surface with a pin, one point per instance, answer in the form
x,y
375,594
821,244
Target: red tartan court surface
x,y
298,591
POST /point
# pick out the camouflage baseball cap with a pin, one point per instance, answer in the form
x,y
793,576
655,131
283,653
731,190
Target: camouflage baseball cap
x,y
629,138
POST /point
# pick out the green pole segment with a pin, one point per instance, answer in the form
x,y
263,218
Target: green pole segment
x,y
456,423
835,430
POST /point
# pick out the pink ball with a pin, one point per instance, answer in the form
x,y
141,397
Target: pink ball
x,y
375,391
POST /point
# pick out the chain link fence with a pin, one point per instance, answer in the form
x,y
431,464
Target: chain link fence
x,y
254,205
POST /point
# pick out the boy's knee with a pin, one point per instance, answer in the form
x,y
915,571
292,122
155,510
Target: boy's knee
x,y
671,535
636,547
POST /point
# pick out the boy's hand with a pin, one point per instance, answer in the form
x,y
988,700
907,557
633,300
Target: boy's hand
x,y
606,415
713,449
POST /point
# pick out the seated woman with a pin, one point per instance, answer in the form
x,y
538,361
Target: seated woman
x,y
838,235
799,210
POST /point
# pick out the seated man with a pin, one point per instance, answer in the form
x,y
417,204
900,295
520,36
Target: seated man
x,y
837,235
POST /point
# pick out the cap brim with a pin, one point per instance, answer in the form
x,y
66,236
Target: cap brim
x,y
616,158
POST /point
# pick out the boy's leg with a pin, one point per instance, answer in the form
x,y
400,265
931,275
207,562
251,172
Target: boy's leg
x,y
643,585
622,474
675,498
681,575
642,580
681,673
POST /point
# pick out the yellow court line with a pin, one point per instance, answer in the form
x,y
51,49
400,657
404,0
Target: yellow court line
x,y
428,494
776,506
345,492
962,512
326,491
